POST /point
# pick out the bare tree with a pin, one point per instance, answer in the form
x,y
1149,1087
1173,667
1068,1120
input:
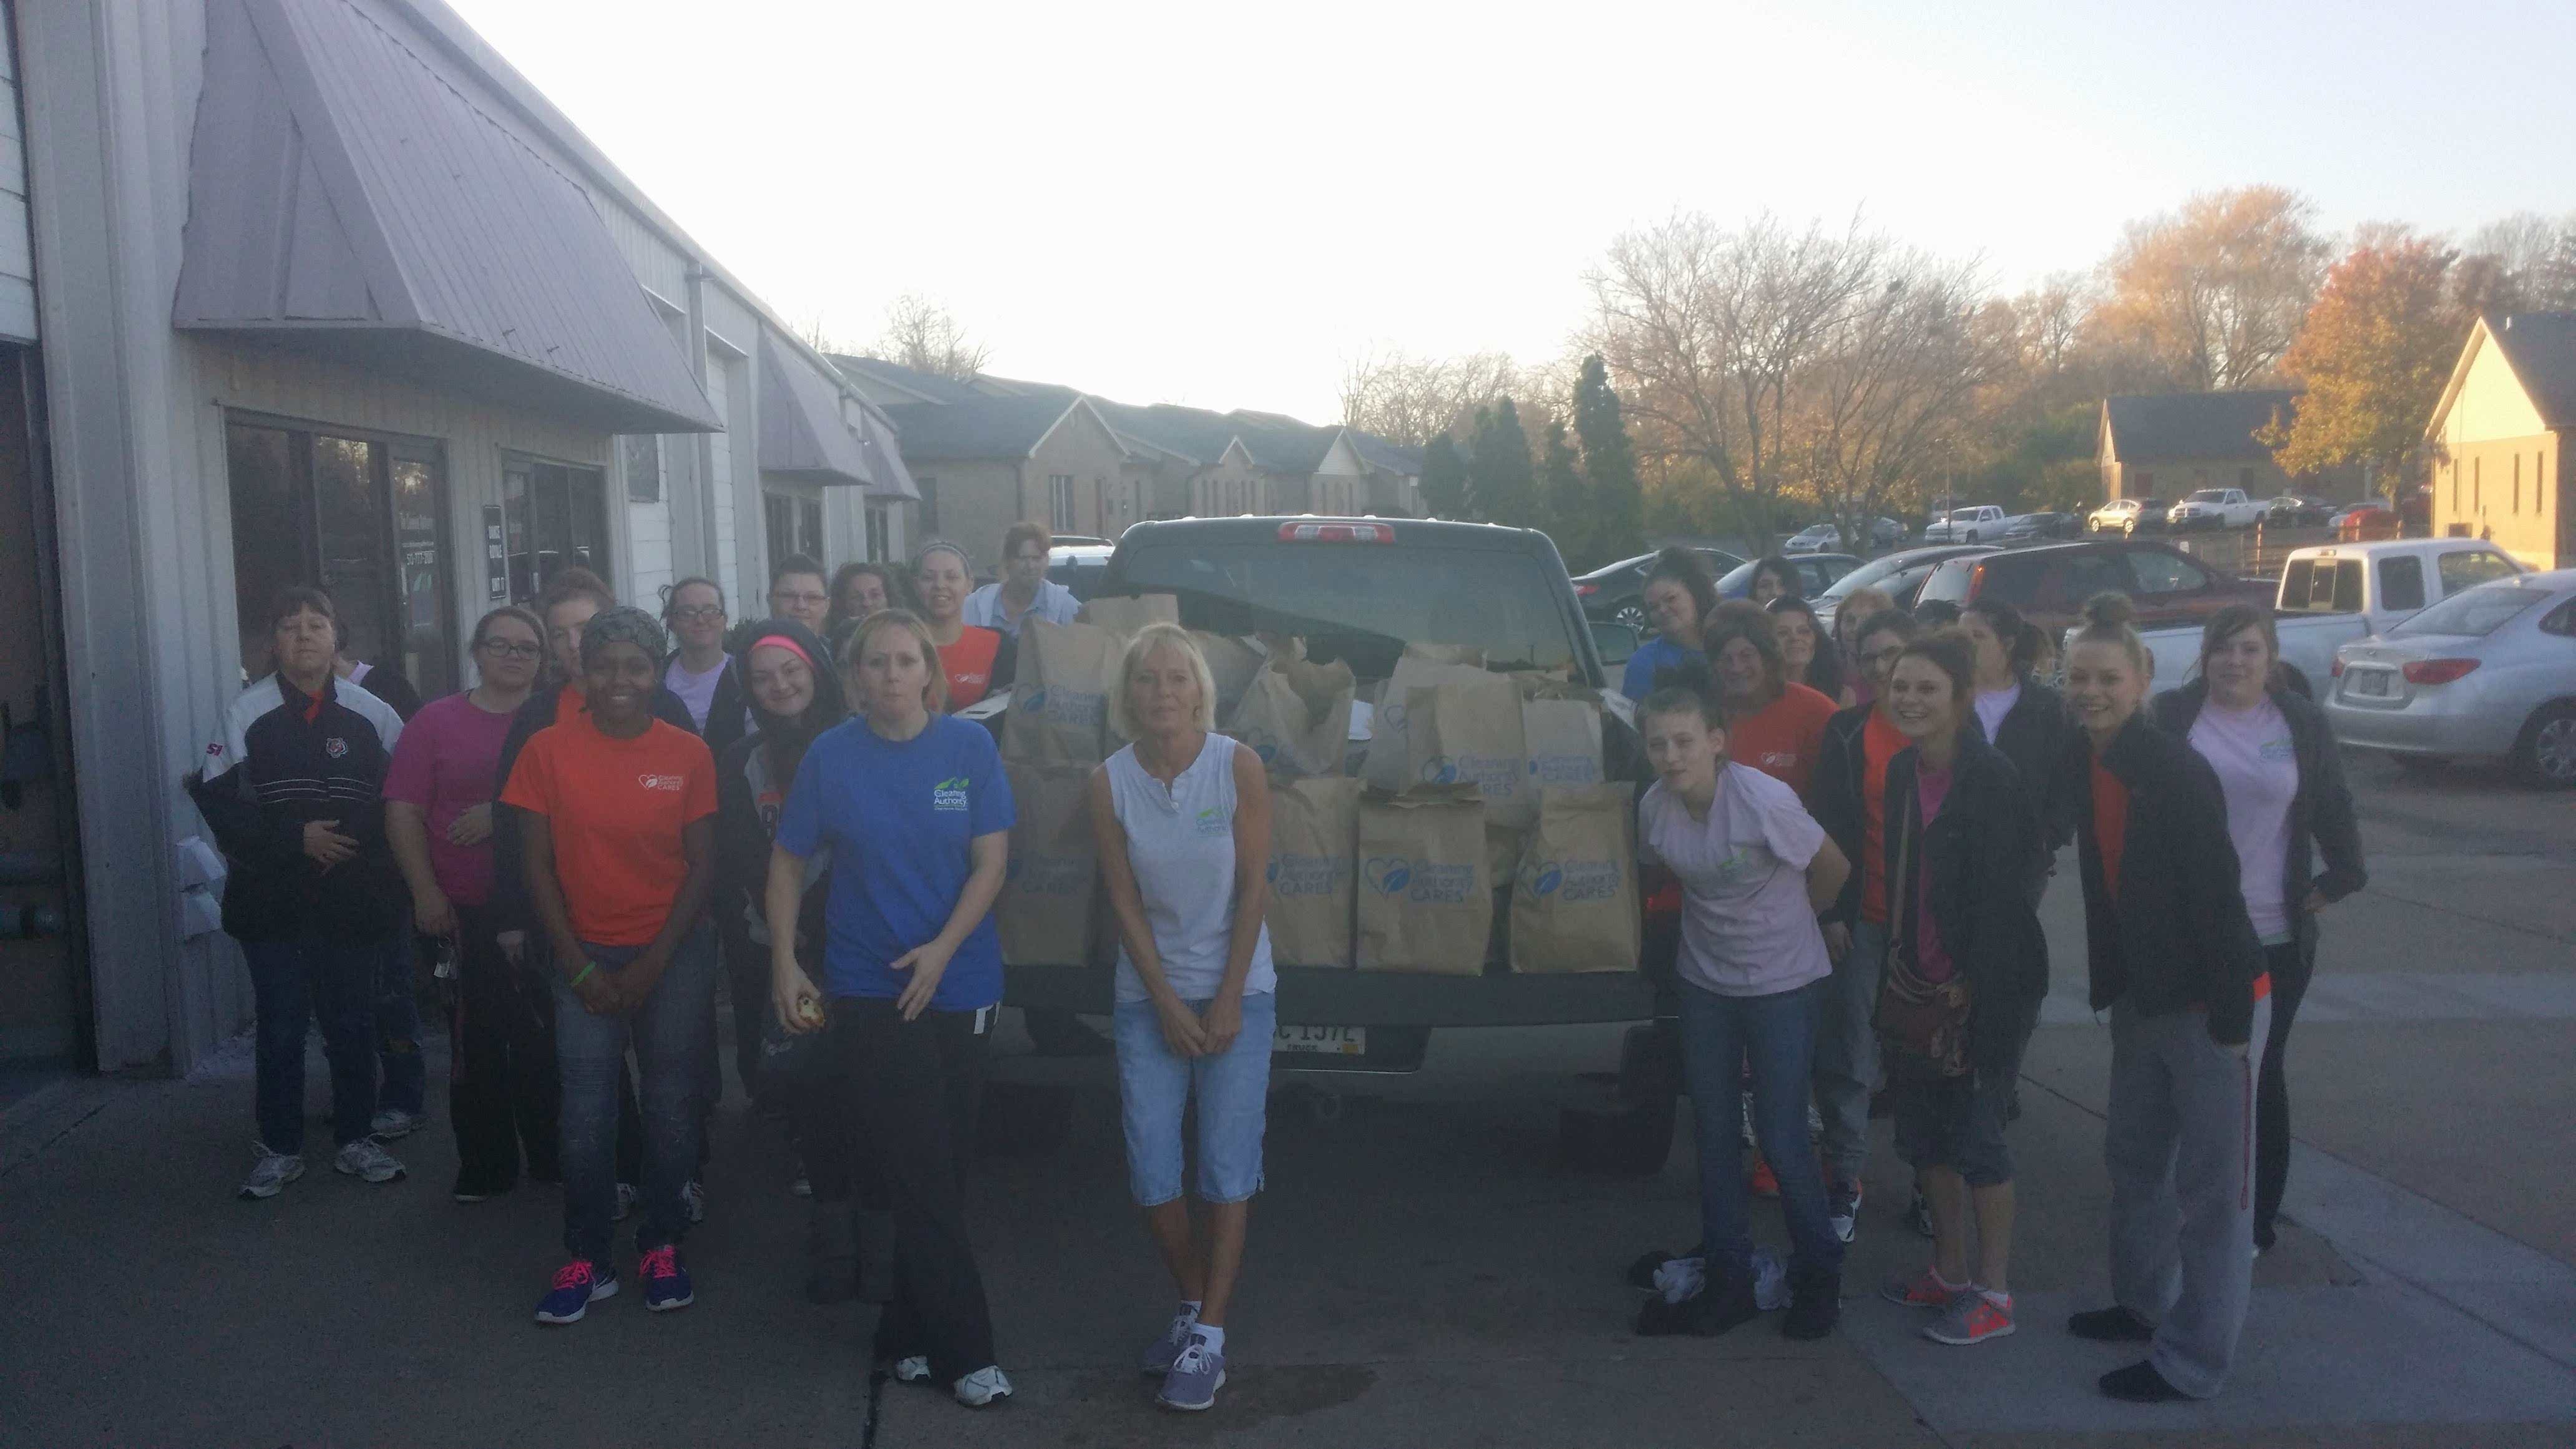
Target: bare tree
x,y
2524,263
920,334
2216,290
815,335
1411,400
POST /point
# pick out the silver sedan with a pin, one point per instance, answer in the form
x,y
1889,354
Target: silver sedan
x,y
2487,672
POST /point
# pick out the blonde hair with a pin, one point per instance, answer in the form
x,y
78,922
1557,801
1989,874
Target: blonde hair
x,y
1148,639
2110,619
1859,607
934,694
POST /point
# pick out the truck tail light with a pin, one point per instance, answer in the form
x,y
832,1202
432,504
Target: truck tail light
x,y
1337,533
1585,591
2437,671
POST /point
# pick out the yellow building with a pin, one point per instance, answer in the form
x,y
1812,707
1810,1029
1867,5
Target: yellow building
x,y
2499,435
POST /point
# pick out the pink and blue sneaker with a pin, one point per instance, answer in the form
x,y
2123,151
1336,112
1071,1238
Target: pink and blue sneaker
x,y
666,1283
578,1284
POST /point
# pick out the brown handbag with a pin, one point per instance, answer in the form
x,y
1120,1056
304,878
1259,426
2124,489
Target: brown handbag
x,y
1923,1023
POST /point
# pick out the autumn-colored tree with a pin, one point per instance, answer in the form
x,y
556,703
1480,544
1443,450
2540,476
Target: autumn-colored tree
x,y
2373,355
2216,291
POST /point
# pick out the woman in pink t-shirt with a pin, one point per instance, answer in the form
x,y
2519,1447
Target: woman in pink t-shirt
x,y
438,817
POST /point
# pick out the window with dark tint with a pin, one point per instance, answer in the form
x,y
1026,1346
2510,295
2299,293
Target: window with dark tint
x,y
1364,602
557,518
2480,611
2164,573
2471,567
2060,583
2401,582
2561,621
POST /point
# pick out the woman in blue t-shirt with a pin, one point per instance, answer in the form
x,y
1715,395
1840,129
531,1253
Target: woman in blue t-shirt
x,y
1679,597
914,808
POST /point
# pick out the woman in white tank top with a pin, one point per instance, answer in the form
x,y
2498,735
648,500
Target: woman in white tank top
x,y
1182,820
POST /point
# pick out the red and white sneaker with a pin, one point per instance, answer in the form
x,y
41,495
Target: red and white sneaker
x,y
1927,1289
1972,1317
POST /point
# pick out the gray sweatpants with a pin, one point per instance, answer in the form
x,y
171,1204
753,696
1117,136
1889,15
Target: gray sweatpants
x,y
2180,1146
1847,1053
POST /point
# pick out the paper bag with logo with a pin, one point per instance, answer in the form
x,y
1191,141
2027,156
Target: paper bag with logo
x,y
1313,823
1060,700
1127,615
1574,899
1468,732
1231,663
1297,717
1426,902
1389,765
1563,739
1044,912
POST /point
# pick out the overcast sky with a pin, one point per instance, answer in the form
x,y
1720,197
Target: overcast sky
x,y
1223,204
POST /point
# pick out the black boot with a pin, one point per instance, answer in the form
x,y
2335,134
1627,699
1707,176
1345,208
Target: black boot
x,y
831,1254
1815,1303
876,1257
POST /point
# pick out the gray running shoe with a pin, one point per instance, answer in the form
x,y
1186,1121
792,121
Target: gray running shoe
x,y
394,1122
367,1160
983,1386
270,1174
627,1193
911,1370
1162,1353
1195,1377
694,1195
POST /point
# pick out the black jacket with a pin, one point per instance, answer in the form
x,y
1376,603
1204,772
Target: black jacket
x,y
2035,735
750,791
2176,936
2321,813
1837,801
287,759
1975,859
511,907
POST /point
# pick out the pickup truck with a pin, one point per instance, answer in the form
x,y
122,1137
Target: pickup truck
x,y
1359,591
2333,594
1981,523
2215,508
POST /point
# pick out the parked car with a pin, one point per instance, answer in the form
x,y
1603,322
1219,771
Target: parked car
x,y
1618,591
1828,537
2127,516
1080,566
2214,508
2488,672
2371,518
2050,583
2334,594
1899,575
1816,573
2292,510
2039,527
1981,522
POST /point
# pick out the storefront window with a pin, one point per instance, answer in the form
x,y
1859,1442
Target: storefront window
x,y
556,517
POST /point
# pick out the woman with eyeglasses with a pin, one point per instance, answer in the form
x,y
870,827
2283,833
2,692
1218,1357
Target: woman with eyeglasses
x,y
976,660
701,673
501,1090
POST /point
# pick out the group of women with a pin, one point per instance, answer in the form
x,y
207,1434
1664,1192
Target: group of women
x,y
1860,894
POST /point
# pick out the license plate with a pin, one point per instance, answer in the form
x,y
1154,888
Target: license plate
x,y
1329,1041
2372,682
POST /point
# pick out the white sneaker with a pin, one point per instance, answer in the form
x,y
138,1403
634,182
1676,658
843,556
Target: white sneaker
x,y
982,1386
367,1161
627,1193
270,1174
695,1196
911,1370
394,1122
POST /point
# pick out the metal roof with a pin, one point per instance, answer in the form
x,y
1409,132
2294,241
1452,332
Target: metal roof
x,y
2542,348
345,196
801,431
2196,426
883,449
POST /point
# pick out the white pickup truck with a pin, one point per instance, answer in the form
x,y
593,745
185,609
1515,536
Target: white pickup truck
x,y
1983,523
2215,508
2335,593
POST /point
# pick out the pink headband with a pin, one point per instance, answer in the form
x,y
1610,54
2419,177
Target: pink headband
x,y
780,641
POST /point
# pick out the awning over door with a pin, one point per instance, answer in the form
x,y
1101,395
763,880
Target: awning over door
x,y
347,197
885,455
801,431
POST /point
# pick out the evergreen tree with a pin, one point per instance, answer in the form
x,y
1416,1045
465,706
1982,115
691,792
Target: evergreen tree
x,y
1444,479
1568,500
1616,506
1502,486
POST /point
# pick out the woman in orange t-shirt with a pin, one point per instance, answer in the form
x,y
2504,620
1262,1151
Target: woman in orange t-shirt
x,y
1775,726
616,812
977,661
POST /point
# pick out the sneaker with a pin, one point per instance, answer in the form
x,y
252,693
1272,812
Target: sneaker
x,y
1842,1210
1972,1317
1927,1289
394,1122
1713,1310
1766,1183
1195,1377
271,1173
366,1161
1159,1356
913,1370
470,1188
1918,1215
627,1193
981,1387
577,1286
802,1185
666,1283
694,1197
2114,1324
1815,1306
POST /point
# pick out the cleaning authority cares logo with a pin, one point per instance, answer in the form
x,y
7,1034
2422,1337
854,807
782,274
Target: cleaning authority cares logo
x,y
949,794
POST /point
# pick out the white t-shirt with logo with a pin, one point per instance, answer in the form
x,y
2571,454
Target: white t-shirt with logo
x,y
2258,769
1747,926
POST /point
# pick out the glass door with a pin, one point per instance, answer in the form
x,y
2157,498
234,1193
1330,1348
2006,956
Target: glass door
x,y
556,517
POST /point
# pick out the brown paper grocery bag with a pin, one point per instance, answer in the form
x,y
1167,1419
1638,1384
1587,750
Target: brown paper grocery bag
x,y
1297,717
1574,898
1314,825
1425,898
1468,732
1059,711
1231,664
1562,739
1044,913
1389,765
1126,615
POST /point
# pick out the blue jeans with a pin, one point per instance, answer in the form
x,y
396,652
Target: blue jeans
x,y
406,1076
670,1035
1776,1036
290,982
1154,1090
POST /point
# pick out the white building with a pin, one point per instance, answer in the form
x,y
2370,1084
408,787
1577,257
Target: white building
x,y
323,290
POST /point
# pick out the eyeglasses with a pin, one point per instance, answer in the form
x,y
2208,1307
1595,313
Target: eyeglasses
x,y
501,650
696,612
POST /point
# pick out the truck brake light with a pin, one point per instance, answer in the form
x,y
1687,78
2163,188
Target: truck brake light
x,y
1336,533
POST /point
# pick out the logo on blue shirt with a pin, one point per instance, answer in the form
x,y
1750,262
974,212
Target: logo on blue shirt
x,y
949,794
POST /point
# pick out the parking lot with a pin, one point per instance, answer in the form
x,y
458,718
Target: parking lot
x,y
1424,1270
